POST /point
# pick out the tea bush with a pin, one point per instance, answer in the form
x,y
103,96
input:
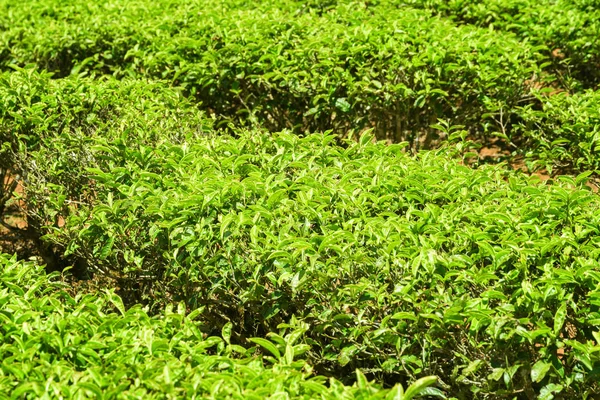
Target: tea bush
x,y
54,345
569,30
400,265
286,66
563,133
60,116
556,131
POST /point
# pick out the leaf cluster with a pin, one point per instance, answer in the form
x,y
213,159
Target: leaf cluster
x,y
563,132
59,117
567,29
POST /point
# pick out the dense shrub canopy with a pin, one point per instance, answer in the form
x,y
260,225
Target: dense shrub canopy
x,y
300,182
54,345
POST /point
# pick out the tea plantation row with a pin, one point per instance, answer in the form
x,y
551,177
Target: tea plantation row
x,y
347,66
561,133
355,68
283,66
567,29
400,266
54,345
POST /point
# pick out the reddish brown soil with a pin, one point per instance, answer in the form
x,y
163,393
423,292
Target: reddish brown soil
x,y
11,241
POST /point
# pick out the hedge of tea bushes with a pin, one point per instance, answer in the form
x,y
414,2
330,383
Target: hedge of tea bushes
x,y
401,266
54,344
562,132
360,256
556,132
60,116
287,65
568,29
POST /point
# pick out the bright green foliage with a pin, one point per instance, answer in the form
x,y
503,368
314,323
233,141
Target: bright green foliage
x,y
34,108
53,345
60,116
568,29
285,65
563,134
294,258
401,266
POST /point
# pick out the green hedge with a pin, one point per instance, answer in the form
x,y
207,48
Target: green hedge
x,y
563,132
568,29
401,265
360,256
59,116
53,345
557,132
285,65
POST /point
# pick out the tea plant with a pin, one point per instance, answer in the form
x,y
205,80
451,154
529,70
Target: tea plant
x,y
401,266
569,31
61,116
356,66
54,345
565,133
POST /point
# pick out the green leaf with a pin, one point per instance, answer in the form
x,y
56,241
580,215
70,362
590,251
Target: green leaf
x,y
267,345
496,374
226,332
361,380
346,354
418,386
396,393
539,370
343,105
433,392
404,315
106,249
288,356
89,386
548,391
115,300
560,317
